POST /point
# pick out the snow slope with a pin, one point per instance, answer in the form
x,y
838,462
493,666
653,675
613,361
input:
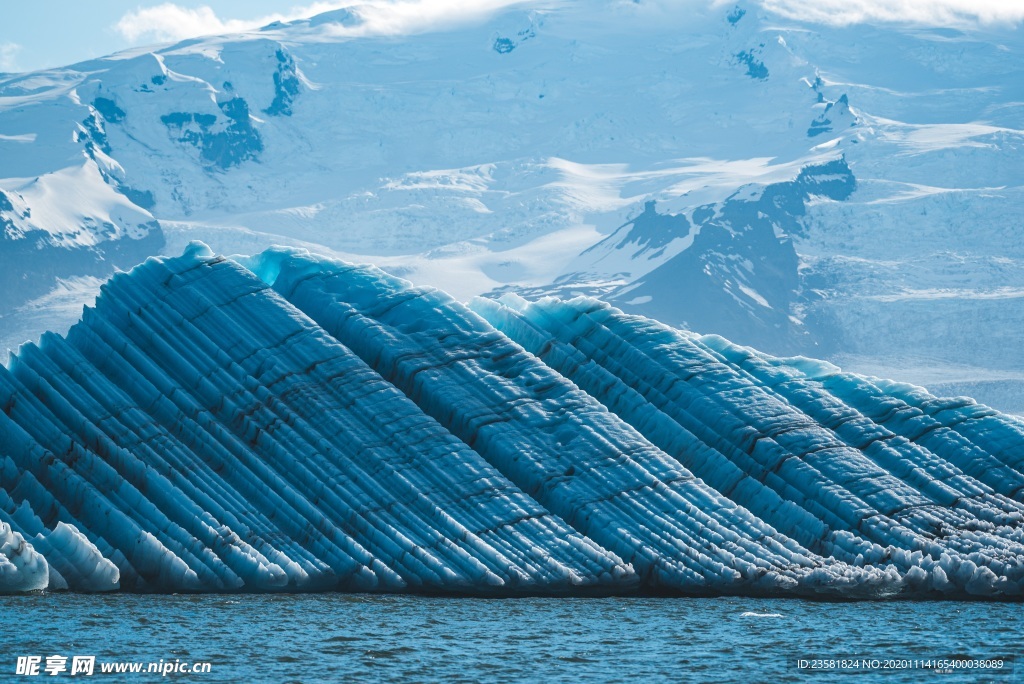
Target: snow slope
x,y
852,192
292,422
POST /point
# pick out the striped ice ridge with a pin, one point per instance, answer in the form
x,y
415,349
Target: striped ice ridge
x,y
205,435
286,422
867,471
555,441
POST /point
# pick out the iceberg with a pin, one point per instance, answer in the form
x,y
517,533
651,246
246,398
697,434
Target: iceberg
x,y
22,568
289,422
206,435
866,471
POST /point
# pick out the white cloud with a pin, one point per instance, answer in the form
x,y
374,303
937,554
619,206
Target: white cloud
x,y
925,12
171,22
8,56
168,22
412,16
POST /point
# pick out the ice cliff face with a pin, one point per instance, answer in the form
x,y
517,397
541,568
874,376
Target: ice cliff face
x,y
290,422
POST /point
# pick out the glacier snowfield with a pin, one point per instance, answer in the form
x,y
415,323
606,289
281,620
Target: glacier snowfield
x,y
291,422
852,194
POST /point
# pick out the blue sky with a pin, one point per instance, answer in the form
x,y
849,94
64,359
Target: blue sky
x,y
37,34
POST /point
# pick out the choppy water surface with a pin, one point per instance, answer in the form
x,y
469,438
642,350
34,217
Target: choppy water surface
x,y
337,637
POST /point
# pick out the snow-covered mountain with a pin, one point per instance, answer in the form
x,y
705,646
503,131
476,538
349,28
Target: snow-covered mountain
x,y
850,192
287,422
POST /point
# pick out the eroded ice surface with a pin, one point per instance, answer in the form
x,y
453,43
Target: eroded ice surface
x,y
290,422
866,471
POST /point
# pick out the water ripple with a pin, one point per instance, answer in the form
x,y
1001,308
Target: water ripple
x,y
407,638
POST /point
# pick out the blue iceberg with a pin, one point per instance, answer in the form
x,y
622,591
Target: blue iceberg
x,y
287,422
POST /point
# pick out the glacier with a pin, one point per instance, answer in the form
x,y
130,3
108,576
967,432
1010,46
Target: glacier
x,y
292,422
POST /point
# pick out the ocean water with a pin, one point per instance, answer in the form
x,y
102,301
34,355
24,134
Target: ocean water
x,y
365,638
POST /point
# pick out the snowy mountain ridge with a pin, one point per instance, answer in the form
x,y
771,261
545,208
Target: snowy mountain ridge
x,y
812,186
